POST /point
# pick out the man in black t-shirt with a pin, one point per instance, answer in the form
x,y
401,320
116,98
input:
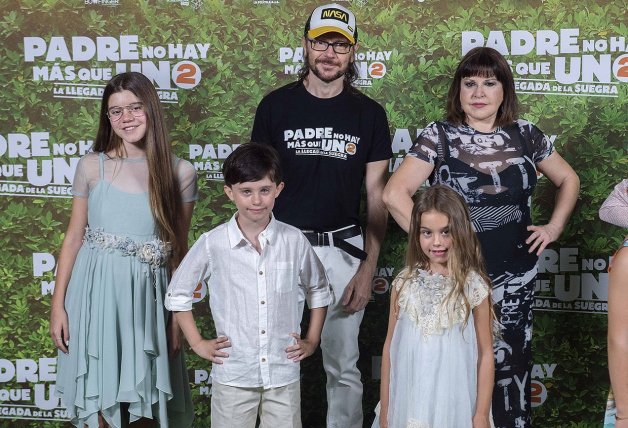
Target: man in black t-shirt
x,y
332,140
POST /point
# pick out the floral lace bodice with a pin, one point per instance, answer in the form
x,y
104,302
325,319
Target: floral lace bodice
x,y
423,298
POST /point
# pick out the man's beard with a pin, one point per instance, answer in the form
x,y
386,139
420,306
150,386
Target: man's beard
x,y
341,72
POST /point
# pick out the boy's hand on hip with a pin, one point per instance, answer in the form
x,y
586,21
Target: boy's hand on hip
x,y
211,349
302,349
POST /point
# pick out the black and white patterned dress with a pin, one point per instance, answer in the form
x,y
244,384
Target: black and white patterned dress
x,y
496,173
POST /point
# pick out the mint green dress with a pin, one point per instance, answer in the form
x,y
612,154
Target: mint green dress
x,y
118,358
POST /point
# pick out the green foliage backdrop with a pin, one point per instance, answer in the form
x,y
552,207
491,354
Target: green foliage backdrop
x,y
244,61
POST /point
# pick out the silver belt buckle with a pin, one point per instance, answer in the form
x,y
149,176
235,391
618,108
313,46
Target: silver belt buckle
x,y
320,236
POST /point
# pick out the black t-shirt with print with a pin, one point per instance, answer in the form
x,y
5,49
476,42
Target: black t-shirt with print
x,y
324,145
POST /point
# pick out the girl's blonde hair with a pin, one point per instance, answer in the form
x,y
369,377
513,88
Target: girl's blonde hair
x,y
163,189
465,254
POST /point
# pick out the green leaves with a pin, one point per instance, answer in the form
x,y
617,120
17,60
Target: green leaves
x,y
241,67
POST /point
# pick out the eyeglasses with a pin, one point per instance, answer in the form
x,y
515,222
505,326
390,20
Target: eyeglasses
x,y
115,113
338,47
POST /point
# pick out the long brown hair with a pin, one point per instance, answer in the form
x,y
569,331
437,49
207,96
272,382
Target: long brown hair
x,y
465,254
164,196
483,62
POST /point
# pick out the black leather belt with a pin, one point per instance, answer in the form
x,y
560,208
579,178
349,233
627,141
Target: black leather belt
x,y
322,239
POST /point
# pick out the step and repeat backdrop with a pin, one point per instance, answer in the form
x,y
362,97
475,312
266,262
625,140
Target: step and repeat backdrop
x,y
212,61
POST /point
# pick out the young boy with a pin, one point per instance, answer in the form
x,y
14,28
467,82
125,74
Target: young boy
x,y
259,271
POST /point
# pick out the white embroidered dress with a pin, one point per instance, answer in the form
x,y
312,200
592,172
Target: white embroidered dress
x,y
433,354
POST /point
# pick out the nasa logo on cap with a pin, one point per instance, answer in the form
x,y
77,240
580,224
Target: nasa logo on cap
x,y
332,18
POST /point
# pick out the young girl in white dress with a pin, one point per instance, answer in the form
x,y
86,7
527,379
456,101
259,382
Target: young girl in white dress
x,y
437,362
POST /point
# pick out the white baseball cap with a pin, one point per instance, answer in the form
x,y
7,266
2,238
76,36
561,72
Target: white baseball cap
x,y
331,18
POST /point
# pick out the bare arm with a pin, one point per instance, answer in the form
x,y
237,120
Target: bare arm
x,y
208,349
486,364
618,333
403,184
384,389
59,329
183,229
567,182
306,347
358,292
183,226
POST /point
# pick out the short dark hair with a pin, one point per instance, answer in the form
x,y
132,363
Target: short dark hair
x,y
252,162
483,62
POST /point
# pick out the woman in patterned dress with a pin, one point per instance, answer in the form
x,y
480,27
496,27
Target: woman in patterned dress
x,y
491,158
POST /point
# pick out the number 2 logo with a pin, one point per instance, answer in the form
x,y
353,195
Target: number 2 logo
x,y
377,70
186,74
620,68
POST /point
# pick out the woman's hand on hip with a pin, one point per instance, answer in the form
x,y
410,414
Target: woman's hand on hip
x,y
541,237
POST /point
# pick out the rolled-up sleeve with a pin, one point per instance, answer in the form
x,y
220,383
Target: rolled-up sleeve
x,y
313,279
195,267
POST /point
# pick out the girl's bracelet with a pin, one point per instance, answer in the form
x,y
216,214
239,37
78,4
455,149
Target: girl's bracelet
x,y
617,418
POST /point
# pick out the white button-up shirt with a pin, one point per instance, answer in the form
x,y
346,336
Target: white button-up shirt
x,y
256,300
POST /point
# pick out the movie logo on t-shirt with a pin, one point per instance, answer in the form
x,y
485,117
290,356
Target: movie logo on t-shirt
x,y
321,142
559,62
371,64
74,65
32,165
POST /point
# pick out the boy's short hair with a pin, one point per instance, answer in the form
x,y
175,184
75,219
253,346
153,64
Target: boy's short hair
x,y
252,162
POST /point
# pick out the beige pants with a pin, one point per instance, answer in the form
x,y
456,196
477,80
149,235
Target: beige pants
x,y
238,407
